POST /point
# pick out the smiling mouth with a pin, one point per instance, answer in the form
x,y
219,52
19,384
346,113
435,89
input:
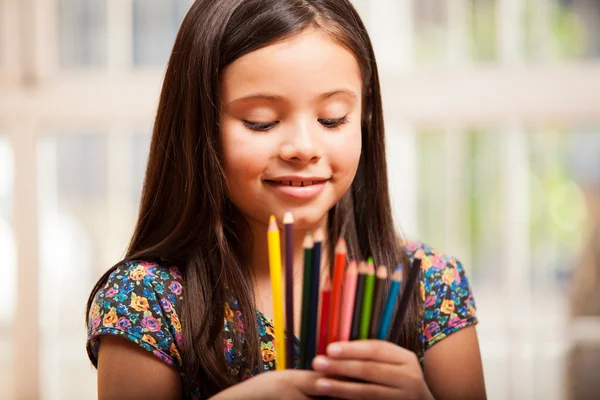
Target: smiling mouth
x,y
298,188
296,183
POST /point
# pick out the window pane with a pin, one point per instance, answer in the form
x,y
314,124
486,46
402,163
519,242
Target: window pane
x,y
89,187
155,25
9,267
431,27
465,195
83,35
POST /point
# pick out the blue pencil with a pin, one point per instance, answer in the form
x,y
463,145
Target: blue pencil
x,y
390,304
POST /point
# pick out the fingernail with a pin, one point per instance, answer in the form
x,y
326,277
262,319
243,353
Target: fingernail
x,y
323,384
321,361
334,349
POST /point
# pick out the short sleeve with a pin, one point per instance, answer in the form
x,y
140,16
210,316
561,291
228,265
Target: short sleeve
x,y
447,297
139,302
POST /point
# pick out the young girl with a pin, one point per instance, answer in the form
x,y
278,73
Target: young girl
x,y
268,106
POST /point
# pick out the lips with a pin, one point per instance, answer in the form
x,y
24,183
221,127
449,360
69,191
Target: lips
x,y
297,187
297,183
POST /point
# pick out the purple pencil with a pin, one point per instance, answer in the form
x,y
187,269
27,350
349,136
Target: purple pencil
x,y
288,224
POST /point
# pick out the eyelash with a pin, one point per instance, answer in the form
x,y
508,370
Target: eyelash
x,y
329,123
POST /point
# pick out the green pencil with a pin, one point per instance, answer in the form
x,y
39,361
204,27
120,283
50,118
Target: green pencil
x,y
308,246
365,317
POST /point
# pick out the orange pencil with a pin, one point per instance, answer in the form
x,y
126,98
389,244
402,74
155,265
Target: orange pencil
x,y
348,301
336,294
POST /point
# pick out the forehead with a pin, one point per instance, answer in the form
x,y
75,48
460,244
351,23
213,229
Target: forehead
x,y
304,66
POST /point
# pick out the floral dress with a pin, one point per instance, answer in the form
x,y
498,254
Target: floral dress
x,y
141,302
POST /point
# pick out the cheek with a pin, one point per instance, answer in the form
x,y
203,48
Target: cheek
x,y
345,153
242,156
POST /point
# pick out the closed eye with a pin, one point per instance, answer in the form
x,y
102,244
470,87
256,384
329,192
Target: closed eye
x,y
332,123
260,126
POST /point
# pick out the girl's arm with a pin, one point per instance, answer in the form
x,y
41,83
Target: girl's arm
x,y
127,371
453,367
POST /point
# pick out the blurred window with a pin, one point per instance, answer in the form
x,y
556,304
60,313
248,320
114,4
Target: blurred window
x,y
155,25
83,33
9,263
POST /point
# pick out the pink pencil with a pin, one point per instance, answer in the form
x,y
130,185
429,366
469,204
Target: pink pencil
x,y
348,301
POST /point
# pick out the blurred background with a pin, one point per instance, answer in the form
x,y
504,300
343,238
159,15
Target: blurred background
x,y
493,121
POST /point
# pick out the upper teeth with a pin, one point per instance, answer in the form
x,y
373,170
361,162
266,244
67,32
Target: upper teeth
x,y
296,183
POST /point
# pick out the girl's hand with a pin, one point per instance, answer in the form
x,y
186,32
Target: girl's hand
x,y
385,371
288,384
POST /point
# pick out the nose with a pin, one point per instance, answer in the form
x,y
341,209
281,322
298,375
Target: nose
x,y
302,144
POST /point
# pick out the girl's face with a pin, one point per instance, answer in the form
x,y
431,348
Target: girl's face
x,y
291,128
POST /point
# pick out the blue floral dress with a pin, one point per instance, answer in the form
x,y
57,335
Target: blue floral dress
x,y
141,302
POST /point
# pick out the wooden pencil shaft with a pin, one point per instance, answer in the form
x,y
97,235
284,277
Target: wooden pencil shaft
x,y
348,302
336,295
358,301
379,297
311,340
407,294
388,312
274,247
324,325
289,292
365,317
305,304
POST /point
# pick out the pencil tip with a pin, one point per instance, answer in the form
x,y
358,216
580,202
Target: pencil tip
x,y
370,260
319,234
352,267
341,246
288,217
382,272
272,223
308,241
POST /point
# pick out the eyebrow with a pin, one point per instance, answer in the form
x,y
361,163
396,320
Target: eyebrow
x,y
276,98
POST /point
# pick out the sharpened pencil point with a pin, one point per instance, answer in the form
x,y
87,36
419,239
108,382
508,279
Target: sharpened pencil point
x,y
382,272
273,224
340,247
288,218
319,234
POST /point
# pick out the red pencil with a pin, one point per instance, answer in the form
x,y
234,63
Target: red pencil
x,y
348,301
325,304
336,293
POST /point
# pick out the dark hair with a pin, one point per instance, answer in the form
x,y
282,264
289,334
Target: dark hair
x,y
185,217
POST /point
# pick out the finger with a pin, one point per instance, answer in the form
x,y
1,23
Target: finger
x,y
352,390
304,380
369,371
374,350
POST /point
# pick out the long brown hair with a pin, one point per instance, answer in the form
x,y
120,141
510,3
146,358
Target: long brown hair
x,y
185,217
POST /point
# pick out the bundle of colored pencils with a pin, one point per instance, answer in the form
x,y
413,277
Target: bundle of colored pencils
x,y
355,304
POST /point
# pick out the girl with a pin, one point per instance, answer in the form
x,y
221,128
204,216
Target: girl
x,y
268,105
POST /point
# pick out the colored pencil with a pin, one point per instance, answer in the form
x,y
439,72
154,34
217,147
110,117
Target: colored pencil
x,y
407,293
358,300
325,312
390,304
348,301
336,294
311,340
307,245
288,224
365,313
274,245
378,299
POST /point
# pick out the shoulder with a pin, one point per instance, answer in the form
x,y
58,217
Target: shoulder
x,y
448,303
140,301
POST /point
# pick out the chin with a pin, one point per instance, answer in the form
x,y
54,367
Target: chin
x,y
308,218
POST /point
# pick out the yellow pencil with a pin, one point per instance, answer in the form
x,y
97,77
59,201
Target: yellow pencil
x,y
276,287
